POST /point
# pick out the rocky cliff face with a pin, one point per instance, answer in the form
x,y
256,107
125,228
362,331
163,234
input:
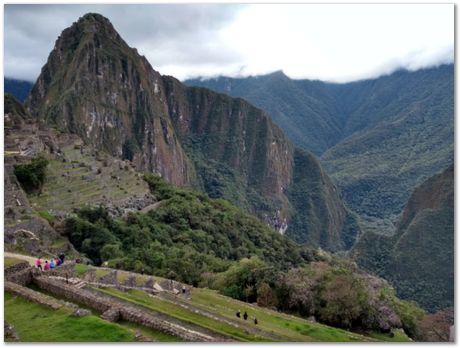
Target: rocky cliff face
x,y
223,132
98,87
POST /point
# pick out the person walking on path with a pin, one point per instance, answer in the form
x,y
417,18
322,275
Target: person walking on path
x,y
238,314
255,321
38,264
245,316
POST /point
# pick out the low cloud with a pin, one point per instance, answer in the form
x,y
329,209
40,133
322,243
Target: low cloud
x,y
336,43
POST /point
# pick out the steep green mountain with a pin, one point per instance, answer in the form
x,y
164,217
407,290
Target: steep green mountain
x,y
96,86
419,257
115,101
305,110
378,138
402,132
20,89
92,199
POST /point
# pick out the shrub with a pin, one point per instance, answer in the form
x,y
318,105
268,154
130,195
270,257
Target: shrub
x,y
32,175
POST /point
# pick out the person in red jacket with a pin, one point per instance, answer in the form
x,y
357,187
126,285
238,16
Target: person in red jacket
x,y
47,266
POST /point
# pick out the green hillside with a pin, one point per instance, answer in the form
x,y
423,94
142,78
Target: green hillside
x,y
378,138
194,137
419,258
205,311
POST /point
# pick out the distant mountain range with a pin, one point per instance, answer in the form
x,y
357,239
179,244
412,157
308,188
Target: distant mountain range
x,y
20,89
378,138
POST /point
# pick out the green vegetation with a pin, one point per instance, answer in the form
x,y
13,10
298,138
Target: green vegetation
x,y
81,268
185,315
284,325
314,200
32,175
393,336
333,292
187,235
149,332
10,261
272,326
305,110
208,242
15,110
85,177
419,258
36,323
378,138
47,216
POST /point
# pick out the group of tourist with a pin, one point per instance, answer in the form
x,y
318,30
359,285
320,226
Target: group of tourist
x,y
246,316
53,263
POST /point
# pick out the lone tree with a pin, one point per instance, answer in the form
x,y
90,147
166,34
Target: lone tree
x,y
32,175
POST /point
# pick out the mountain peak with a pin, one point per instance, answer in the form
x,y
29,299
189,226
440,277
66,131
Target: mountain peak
x,y
94,17
91,26
278,74
93,21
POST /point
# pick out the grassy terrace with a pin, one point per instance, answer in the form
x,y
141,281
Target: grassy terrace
x,y
273,326
62,193
10,261
36,323
280,322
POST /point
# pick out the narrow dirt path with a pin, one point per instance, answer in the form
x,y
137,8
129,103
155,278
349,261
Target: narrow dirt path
x,y
27,258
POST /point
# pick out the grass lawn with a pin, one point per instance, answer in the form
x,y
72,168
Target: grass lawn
x,y
396,336
36,323
286,327
141,298
10,261
292,327
149,332
81,268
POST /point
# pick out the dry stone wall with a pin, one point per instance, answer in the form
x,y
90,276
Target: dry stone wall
x,y
73,294
22,277
32,295
114,309
16,268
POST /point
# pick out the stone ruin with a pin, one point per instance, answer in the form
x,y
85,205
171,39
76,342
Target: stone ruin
x,y
19,276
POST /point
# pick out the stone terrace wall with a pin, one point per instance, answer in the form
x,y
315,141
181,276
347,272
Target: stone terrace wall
x,y
67,268
73,294
22,277
115,309
16,268
23,274
32,295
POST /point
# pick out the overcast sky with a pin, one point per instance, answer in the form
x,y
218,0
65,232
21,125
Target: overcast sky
x,y
328,42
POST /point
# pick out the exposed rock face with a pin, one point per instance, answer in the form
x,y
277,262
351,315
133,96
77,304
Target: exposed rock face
x,y
232,133
98,87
